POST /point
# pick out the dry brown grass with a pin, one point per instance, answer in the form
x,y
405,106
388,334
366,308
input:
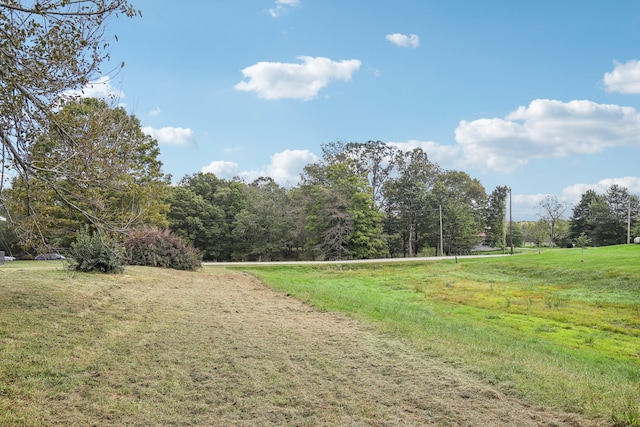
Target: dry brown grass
x,y
160,347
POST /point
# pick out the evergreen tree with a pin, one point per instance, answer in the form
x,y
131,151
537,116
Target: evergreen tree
x,y
495,217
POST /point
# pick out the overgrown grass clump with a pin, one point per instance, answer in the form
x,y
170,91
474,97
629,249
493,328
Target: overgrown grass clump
x,y
560,332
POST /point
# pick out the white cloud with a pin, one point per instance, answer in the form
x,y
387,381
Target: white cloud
x,y
100,88
155,112
575,192
625,78
526,206
546,129
285,167
403,40
222,169
282,7
276,80
171,135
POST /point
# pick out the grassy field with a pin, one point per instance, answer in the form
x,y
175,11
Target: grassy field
x,y
561,327
526,340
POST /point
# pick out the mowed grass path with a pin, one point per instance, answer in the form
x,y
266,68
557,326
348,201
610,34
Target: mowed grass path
x,y
560,331
155,347
433,343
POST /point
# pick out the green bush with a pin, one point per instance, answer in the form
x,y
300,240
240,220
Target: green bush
x,y
96,251
154,247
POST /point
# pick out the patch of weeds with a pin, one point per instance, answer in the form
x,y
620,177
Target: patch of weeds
x,y
545,328
588,340
557,301
419,287
553,302
628,415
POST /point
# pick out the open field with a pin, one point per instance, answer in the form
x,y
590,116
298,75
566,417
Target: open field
x,y
217,347
552,328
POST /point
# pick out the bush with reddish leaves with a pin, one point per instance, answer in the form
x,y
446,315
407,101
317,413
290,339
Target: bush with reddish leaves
x,y
154,247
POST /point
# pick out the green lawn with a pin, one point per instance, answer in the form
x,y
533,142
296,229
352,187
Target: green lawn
x,y
561,327
89,349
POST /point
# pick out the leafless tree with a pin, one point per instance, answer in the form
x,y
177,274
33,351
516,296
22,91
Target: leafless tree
x,y
551,209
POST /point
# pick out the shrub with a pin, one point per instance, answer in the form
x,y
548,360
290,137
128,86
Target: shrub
x,y
154,247
96,251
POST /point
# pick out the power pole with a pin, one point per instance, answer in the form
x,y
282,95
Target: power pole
x,y
504,226
441,238
629,222
510,222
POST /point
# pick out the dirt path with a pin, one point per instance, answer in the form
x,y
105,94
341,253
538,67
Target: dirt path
x,y
276,361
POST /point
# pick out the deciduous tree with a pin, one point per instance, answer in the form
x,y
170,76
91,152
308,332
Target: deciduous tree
x,y
462,200
551,209
204,210
109,178
374,159
266,224
342,221
406,194
47,48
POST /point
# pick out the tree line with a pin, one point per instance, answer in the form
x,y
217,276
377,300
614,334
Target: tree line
x,y
71,163
361,200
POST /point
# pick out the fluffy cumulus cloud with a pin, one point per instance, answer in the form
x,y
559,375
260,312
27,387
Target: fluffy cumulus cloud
x,y
277,80
546,128
403,40
625,78
575,192
100,88
171,135
222,169
526,206
282,7
285,167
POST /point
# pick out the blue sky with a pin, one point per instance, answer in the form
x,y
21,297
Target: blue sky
x,y
541,96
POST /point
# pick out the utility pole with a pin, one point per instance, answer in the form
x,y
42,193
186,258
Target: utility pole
x,y
504,226
510,222
629,222
441,238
